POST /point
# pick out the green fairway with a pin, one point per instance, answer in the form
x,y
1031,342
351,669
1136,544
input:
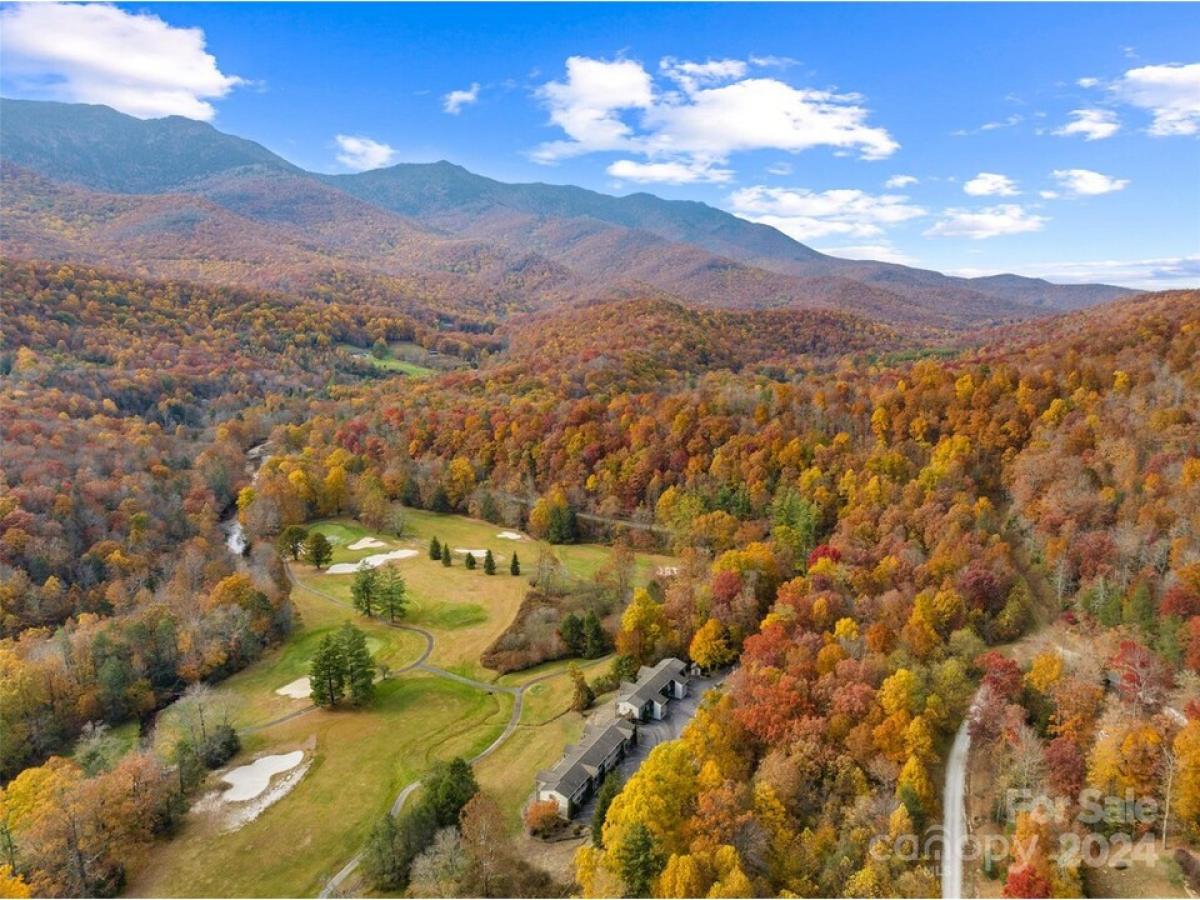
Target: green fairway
x,y
391,363
360,761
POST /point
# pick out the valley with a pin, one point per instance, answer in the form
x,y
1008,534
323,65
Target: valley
x,y
335,507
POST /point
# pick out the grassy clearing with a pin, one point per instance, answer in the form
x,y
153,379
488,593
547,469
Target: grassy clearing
x,y
465,609
360,761
249,696
390,363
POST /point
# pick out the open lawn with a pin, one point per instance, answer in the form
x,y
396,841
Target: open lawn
x,y
464,609
391,363
249,696
361,760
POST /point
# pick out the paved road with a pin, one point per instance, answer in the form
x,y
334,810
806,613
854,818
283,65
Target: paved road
x,y
954,811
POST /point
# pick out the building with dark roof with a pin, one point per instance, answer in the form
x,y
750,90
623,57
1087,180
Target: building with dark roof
x,y
583,766
655,688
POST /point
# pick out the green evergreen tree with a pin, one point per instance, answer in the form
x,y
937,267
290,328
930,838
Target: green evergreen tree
x,y
435,548
561,527
1139,609
360,668
489,563
291,541
470,561
446,559
327,672
364,590
317,550
638,860
571,632
609,788
447,790
393,594
595,641
514,565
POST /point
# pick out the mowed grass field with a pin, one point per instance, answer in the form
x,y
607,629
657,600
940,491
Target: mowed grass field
x,y
362,758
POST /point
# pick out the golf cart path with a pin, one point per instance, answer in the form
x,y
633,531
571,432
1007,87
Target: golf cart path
x,y
514,720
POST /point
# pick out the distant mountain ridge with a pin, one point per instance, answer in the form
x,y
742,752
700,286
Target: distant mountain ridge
x,y
477,238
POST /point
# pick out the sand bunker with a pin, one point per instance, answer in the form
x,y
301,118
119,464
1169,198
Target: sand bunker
x,y
254,788
464,550
250,781
367,543
370,562
297,690
511,536
666,571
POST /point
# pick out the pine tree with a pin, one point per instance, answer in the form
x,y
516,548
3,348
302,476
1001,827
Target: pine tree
x,y
446,560
360,669
571,631
318,550
514,566
595,641
638,860
393,594
364,591
609,788
470,560
489,563
435,548
327,672
448,788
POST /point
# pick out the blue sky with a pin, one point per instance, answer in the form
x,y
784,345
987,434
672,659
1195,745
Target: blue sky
x,y
1050,139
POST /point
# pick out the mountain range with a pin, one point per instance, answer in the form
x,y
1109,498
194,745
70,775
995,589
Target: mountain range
x,y
177,198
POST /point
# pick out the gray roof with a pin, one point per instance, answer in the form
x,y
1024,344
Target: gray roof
x,y
582,761
652,681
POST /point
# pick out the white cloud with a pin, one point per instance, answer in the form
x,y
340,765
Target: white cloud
x,y
992,221
990,184
362,153
691,75
586,106
1088,82
1147,274
900,181
881,252
779,168
1048,195
672,172
1086,182
804,214
1093,124
454,101
1170,92
1007,122
709,111
98,53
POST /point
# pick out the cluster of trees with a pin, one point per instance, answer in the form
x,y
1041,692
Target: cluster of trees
x,y
438,550
342,665
73,827
1054,730
379,591
451,841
